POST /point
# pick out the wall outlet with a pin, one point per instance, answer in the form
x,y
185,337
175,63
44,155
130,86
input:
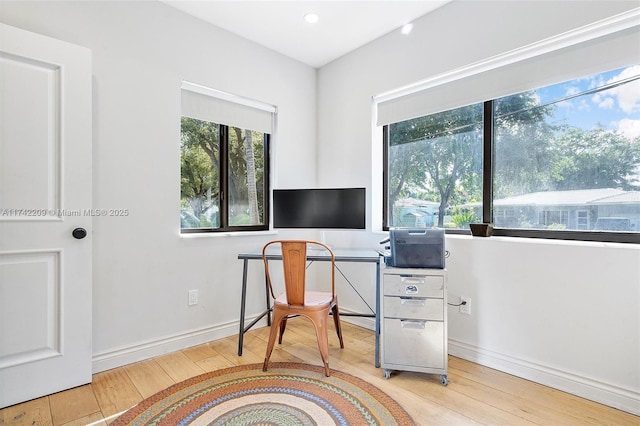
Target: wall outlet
x,y
193,297
466,308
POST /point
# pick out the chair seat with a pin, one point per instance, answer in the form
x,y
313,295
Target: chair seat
x,y
311,299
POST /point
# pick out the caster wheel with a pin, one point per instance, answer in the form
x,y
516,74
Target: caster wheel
x,y
444,380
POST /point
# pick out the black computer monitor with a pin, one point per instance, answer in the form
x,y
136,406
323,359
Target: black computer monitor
x,y
320,208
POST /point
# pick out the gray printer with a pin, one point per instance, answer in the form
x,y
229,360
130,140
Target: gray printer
x,y
416,248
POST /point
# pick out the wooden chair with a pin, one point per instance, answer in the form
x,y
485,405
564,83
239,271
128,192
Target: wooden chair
x,y
295,300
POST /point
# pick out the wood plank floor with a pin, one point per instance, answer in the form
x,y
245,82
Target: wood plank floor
x,y
475,394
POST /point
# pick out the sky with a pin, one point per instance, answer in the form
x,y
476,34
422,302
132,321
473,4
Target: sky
x,y
615,109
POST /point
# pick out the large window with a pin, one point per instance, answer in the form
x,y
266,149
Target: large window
x,y
224,174
560,161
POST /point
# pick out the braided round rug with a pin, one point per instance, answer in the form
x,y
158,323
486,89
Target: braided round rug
x,y
287,394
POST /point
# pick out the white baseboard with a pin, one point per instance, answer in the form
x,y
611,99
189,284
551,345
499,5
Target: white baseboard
x,y
623,399
152,348
365,322
119,357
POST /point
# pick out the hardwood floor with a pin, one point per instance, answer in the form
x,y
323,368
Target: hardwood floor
x,y
475,394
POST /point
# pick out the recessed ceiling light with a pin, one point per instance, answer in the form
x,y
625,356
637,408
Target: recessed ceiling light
x,y
406,28
311,17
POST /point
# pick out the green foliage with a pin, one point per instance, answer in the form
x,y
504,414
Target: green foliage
x,y
246,171
557,226
521,142
463,217
199,175
599,158
241,219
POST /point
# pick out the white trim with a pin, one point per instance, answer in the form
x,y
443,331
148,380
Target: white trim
x,y
219,94
194,235
141,351
114,358
614,396
588,32
365,322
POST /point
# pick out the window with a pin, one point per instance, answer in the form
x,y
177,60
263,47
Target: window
x,y
434,169
562,157
564,151
554,219
224,162
582,219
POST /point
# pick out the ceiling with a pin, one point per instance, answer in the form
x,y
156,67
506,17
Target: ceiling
x,y
279,25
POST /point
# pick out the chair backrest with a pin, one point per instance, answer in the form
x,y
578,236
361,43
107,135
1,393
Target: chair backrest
x,y
294,263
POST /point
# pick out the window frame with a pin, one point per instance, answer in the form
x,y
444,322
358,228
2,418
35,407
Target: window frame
x,y
487,196
223,182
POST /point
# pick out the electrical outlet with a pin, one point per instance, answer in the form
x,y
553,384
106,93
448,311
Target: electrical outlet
x,y
466,308
193,297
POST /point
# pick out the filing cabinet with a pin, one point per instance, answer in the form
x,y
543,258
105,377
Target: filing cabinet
x,y
413,328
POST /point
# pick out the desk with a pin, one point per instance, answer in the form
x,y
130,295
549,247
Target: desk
x,y
341,255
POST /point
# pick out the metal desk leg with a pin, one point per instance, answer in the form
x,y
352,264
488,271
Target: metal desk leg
x,y
266,289
377,349
242,305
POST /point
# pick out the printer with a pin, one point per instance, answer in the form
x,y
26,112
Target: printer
x,y
415,248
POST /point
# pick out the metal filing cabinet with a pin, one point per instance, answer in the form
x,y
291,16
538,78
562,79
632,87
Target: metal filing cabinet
x,y
414,321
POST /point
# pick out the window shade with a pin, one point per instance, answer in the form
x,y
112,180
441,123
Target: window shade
x,y
511,74
219,107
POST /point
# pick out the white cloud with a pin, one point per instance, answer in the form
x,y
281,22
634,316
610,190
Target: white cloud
x,y
629,128
573,90
595,81
629,94
583,105
607,103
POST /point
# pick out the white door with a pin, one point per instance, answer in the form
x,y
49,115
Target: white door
x,y
45,193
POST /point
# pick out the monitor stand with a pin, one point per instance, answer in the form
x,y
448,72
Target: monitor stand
x,y
317,249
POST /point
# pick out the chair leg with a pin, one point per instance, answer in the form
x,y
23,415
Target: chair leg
x,y
320,323
275,325
283,325
336,321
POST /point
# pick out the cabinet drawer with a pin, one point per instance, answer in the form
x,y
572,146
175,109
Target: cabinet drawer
x,y
413,343
413,285
413,308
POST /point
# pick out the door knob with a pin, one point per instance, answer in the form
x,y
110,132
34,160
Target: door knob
x,y
79,233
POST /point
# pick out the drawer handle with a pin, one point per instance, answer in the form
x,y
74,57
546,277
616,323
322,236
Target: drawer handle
x,y
416,325
412,280
410,301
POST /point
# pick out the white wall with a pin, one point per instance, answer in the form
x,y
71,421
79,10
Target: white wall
x,y
142,268
562,313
